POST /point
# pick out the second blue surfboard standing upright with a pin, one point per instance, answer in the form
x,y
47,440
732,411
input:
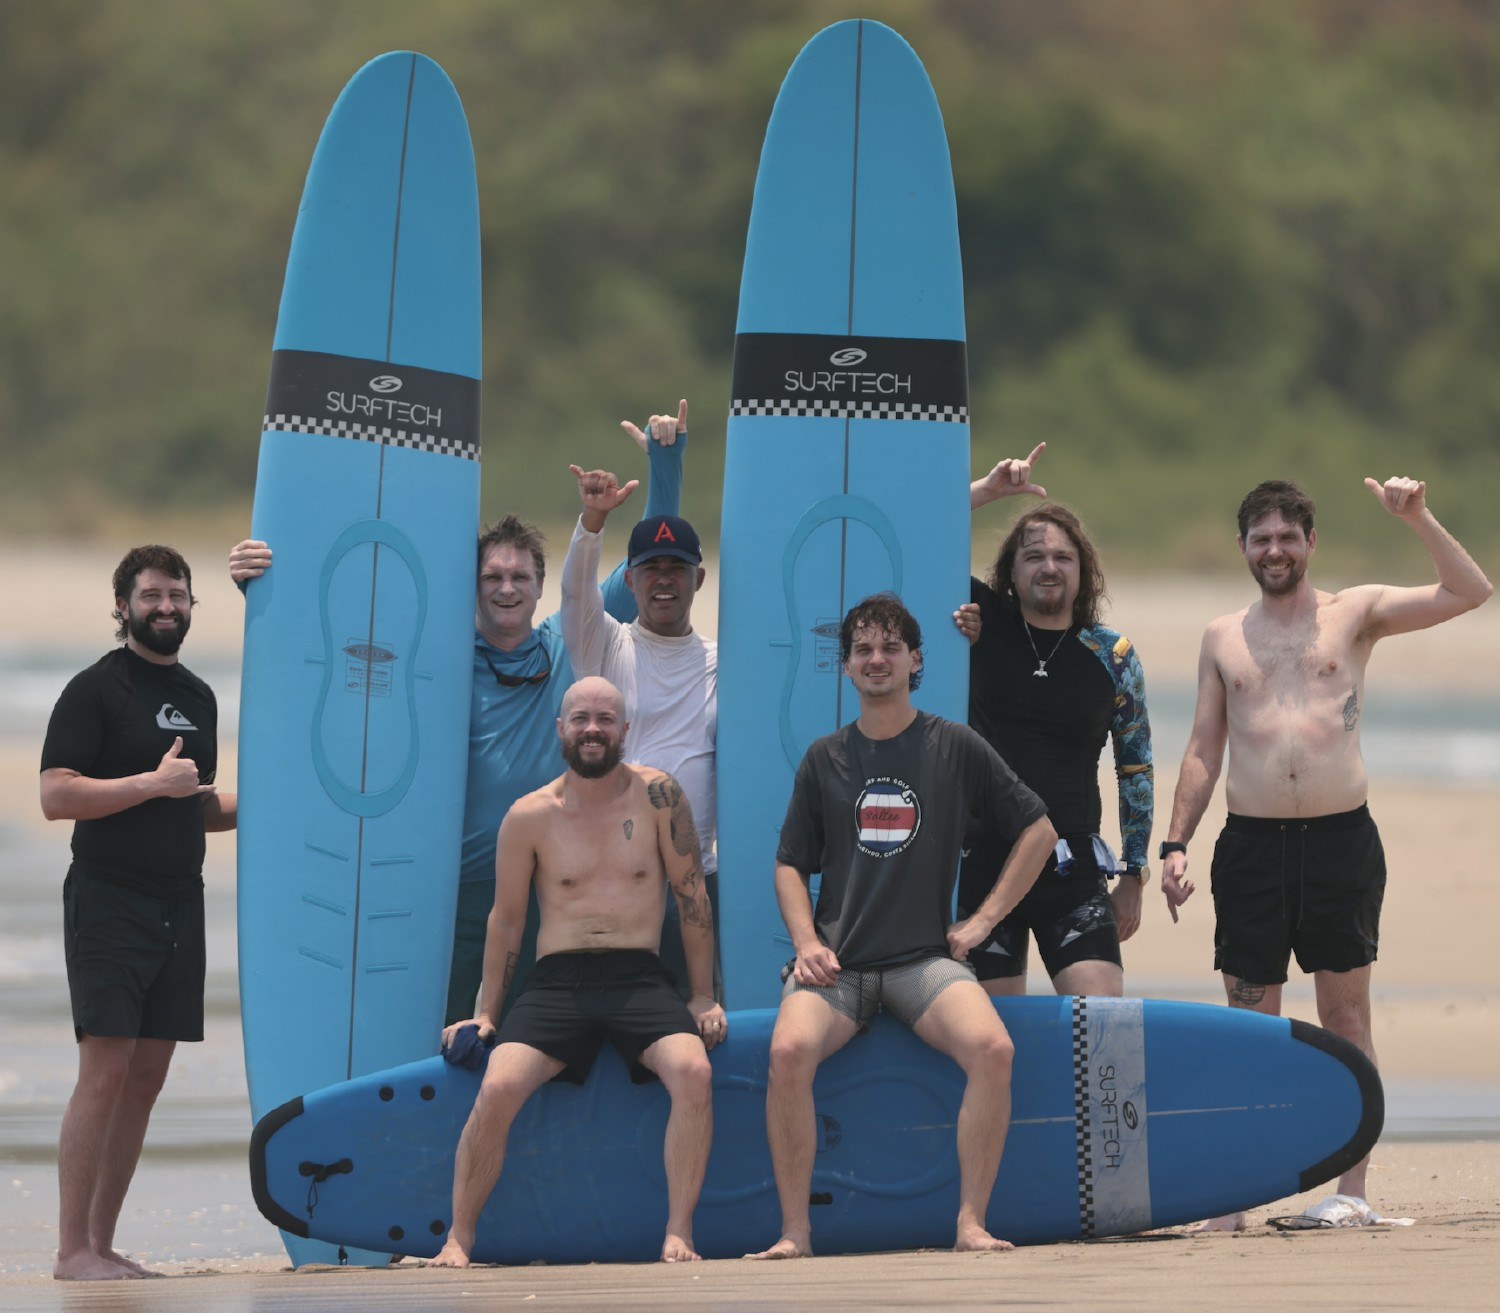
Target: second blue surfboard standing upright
x,y
847,462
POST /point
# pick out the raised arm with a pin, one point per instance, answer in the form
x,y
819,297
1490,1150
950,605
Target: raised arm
x,y
677,841
1201,763
587,628
1461,584
664,440
1010,478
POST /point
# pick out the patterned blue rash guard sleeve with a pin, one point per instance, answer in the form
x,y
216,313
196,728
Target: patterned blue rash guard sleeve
x,y
1130,733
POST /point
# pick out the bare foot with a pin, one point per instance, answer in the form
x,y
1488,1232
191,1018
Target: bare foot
x,y
125,1261
976,1240
787,1247
451,1254
1229,1222
678,1249
86,1265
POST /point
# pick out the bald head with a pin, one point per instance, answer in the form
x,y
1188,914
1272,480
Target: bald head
x,y
591,728
594,691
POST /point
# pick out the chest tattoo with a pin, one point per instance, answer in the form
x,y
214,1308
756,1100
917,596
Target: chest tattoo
x,y
1351,710
629,826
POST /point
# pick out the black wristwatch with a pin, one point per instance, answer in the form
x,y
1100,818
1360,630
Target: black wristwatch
x,y
1170,846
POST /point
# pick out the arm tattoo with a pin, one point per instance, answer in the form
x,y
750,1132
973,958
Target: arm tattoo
x,y
1246,993
1351,710
684,832
509,974
667,793
664,792
696,912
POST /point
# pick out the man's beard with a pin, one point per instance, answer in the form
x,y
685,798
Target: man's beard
x,y
1054,603
164,642
1286,584
591,770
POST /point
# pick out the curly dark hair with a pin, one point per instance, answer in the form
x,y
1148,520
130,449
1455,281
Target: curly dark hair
x,y
885,613
152,556
1277,495
1092,591
511,530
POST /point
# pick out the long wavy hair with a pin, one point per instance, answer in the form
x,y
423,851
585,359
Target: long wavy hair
x,y
1092,591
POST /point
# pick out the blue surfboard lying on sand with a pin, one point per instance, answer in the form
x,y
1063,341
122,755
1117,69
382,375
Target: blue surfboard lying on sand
x,y
1127,1114
847,458
358,641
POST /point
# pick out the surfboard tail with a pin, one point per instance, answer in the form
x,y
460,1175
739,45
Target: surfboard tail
x,y
271,1208
1372,1104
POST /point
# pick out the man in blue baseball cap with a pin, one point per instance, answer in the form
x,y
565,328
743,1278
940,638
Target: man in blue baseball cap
x,y
668,673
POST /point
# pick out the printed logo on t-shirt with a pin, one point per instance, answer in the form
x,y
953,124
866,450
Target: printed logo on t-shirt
x,y
170,718
887,816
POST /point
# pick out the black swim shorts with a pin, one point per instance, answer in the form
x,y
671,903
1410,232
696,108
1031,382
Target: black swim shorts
x,y
1310,886
573,1002
1071,916
135,961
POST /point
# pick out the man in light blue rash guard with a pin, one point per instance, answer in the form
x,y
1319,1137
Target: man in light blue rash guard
x,y
521,672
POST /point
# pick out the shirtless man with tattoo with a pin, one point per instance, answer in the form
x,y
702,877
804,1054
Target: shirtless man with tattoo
x,y
1298,867
601,844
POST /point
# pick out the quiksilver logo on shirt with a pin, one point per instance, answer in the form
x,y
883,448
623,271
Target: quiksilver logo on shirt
x,y
170,718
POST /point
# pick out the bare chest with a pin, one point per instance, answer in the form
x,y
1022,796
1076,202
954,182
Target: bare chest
x,y
1307,663
601,853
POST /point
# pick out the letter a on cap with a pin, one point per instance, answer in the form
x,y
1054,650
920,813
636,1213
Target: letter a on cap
x,y
664,531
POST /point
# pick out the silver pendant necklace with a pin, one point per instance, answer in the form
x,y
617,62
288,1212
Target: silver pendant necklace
x,y
1041,664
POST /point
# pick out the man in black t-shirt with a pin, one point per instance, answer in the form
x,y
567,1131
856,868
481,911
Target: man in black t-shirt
x,y
879,808
130,757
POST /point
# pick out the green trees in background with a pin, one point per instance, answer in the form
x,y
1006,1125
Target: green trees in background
x,y
1205,241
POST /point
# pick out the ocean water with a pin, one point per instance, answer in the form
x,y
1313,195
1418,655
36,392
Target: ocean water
x,y
191,1197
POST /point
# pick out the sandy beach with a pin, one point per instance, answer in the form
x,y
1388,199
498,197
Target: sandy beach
x,y
1445,1260
1436,1017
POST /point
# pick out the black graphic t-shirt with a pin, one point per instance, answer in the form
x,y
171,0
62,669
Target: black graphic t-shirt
x,y
118,718
883,820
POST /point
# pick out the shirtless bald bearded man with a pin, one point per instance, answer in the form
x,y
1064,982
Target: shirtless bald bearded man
x,y
601,843
1298,867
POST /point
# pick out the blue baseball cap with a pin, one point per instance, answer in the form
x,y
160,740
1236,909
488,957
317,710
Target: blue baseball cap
x,y
664,535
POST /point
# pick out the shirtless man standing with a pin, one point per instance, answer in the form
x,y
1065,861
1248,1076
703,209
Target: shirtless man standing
x,y
1298,866
601,843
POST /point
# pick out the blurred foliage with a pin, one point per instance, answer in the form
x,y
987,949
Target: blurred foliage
x,y
1206,242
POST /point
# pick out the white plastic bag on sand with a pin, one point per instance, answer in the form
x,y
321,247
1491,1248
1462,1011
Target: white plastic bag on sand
x,y
1347,1210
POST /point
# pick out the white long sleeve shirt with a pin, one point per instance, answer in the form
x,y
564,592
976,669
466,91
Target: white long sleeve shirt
x,y
671,685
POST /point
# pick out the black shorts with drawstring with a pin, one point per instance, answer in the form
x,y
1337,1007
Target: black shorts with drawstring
x,y
1309,885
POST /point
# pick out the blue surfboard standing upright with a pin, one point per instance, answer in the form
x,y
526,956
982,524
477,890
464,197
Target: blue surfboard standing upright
x,y
358,640
847,462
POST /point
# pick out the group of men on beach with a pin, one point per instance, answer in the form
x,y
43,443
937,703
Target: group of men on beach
x,y
571,952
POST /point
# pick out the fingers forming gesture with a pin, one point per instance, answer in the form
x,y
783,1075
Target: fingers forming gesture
x,y
665,429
